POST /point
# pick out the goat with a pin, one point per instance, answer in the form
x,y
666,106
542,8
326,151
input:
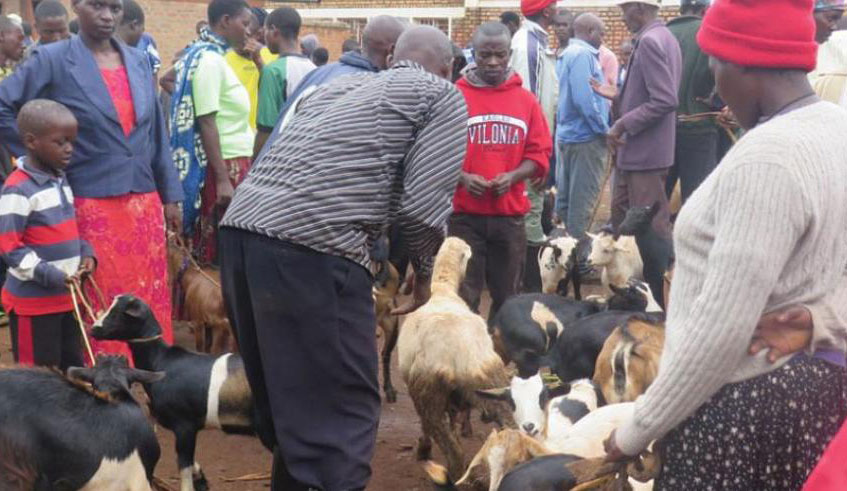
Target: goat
x,y
558,262
445,354
65,435
385,290
619,259
527,326
200,391
576,350
544,412
629,360
656,252
203,302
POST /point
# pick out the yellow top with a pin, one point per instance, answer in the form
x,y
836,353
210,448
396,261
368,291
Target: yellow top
x,y
248,73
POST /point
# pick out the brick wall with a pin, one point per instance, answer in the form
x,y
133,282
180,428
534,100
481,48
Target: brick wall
x,y
171,23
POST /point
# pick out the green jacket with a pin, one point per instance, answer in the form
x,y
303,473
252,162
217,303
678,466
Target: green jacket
x,y
697,80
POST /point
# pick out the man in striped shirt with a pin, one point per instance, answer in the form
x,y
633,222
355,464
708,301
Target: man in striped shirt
x,y
40,242
353,156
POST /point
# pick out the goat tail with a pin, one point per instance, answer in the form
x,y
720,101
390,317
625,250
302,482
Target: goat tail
x,y
439,476
18,467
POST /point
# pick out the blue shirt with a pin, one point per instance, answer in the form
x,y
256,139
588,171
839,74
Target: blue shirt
x,y
583,115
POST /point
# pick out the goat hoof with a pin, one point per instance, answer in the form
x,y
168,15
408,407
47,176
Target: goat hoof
x,y
200,483
390,396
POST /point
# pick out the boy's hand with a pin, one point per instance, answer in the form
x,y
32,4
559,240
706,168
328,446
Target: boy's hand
x,y
87,266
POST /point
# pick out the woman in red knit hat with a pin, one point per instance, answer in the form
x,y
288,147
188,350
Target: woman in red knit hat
x,y
764,231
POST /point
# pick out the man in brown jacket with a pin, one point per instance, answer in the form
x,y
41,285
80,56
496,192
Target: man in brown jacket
x,y
645,131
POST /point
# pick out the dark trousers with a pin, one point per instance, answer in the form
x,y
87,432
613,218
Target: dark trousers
x,y
696,156
643,188
50,340
498,245
305,325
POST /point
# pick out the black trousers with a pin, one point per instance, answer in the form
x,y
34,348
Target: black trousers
x,y
498,245
306,328
695,157
50,340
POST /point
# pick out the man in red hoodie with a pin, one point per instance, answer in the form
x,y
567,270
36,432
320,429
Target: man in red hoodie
x,y
508,142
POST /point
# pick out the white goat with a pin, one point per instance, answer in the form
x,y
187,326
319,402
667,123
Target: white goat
x,y
619,259
445,354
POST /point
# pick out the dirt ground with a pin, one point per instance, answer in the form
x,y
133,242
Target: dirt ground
x,y
225,457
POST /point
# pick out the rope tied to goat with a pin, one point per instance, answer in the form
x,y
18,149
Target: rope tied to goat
x,y
180,244
78,297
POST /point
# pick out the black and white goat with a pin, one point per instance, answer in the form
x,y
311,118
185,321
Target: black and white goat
x,y
64,435
200,391
656,252
558,263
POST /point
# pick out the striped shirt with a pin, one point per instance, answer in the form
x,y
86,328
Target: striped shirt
x,y
360,153
39,241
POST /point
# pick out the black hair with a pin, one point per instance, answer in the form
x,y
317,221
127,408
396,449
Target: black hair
x,y
132,13
50,8
27,27
219,8
350,45
73,26
320,56
510,18
7,24
287,21
38,115
491,29
261,14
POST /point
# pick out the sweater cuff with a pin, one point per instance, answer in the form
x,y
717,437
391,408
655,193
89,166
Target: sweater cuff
x,y
631,438
822,319
49,275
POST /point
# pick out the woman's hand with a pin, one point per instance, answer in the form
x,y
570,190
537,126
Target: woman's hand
x,y
87,266
173,218
783,332
613,453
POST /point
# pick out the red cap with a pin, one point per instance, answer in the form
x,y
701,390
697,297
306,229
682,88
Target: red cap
x,y
772,34
532,7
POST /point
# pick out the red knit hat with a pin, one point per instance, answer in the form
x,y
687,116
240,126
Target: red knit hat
x,y
532,7
771,34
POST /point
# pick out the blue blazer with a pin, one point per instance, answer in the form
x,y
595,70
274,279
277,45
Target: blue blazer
x,y
105,161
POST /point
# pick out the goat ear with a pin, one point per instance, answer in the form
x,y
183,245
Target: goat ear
x,y
144,376
135,308
591,236
501,394
81,373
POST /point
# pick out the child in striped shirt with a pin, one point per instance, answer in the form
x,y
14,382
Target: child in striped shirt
x,y
40,242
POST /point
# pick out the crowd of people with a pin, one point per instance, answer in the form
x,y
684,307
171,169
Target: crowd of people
x,y
284,170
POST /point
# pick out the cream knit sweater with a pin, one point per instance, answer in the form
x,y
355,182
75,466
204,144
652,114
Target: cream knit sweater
x,y
767,229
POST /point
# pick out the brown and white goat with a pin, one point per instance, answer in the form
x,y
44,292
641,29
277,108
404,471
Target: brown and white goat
x,y
386,288
445,355
629,360
202,300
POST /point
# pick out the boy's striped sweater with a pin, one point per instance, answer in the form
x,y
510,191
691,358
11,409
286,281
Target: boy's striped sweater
x,y
39,241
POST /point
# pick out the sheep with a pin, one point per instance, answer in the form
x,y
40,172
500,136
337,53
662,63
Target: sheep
x,y
656,252
629,360
203,302
385,290
558,262
619,259
200,391
445,354
66,435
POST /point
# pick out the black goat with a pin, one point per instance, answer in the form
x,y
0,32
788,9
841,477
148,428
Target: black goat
x,y
656,252
58,434
200,391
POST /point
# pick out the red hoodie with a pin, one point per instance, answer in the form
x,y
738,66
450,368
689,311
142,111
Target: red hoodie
x,y
505,127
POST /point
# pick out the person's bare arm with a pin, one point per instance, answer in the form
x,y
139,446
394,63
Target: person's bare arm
x,y
212,146
261,137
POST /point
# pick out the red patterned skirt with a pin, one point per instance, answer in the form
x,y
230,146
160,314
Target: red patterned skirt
x,y
205,238
128,236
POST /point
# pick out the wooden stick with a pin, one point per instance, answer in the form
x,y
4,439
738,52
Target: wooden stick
x,y
256,476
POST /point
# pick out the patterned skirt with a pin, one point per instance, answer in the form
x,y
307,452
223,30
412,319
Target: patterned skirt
x,y
766,433
128,236
205,238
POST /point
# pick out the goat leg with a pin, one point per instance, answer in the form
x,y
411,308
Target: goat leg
x,y
190,473
393,332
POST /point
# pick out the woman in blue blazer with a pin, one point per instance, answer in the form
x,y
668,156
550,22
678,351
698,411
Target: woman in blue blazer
x,y
123,179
